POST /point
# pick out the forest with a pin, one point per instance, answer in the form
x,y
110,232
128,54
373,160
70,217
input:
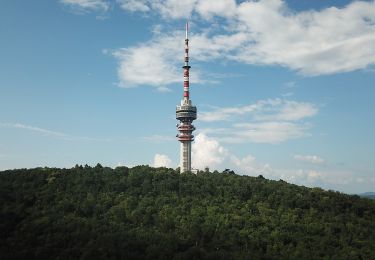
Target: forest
x,y
157,213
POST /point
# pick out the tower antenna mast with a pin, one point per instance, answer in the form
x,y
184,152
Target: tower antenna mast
x,y
186,113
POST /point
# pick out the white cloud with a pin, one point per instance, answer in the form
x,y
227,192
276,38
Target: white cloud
x,y
51,133
314,159
207,152
220,114
286,110
218,46
209,8
174,8
313,42
328,179
265,121
149,64
304,177
87,5
154,63
313,175
299,176
270,109
34,129
162,160
250,166
134,5
265,132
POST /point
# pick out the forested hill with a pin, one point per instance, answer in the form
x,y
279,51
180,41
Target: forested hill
x,y
369,195
156,213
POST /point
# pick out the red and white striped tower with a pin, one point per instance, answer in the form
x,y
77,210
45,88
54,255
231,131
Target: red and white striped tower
x,y
186,113
186,66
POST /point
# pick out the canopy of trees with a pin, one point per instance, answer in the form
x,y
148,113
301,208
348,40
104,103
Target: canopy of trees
x,y
157,213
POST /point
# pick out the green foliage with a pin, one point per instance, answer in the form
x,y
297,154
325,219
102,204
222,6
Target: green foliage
x,y
156,213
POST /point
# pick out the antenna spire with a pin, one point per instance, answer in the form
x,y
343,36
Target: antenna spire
x,y
186,65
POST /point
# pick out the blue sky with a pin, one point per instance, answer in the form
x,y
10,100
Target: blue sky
x,y
283,88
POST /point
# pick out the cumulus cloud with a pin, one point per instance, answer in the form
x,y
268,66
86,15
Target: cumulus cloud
x,y
166,8
156,63
312,42
153,64
147,65
314,159
134,5
266,132
286,110
207,152
250,166
328,179
87,5
226,113
176,9
270,109
312,175
300,176
267,32
162,160
207,8
265,121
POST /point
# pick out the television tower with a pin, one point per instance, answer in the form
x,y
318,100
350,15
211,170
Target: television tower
x,y
186,113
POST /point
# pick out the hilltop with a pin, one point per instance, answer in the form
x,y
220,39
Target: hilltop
x,y
369,195
157,213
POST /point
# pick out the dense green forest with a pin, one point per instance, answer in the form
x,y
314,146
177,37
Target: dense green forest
x,y
157,213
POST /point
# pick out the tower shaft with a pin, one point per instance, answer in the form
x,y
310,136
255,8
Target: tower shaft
x,y
186,113
185,157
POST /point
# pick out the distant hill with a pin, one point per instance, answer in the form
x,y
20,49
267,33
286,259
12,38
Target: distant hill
x,y
369,195
157,213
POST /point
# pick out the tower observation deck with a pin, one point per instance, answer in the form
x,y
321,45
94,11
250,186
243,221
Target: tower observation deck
x,y
186,113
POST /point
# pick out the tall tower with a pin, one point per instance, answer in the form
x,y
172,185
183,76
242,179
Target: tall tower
x,y
186,113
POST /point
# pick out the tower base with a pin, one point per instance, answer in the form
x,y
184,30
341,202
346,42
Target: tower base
x,y
185,157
